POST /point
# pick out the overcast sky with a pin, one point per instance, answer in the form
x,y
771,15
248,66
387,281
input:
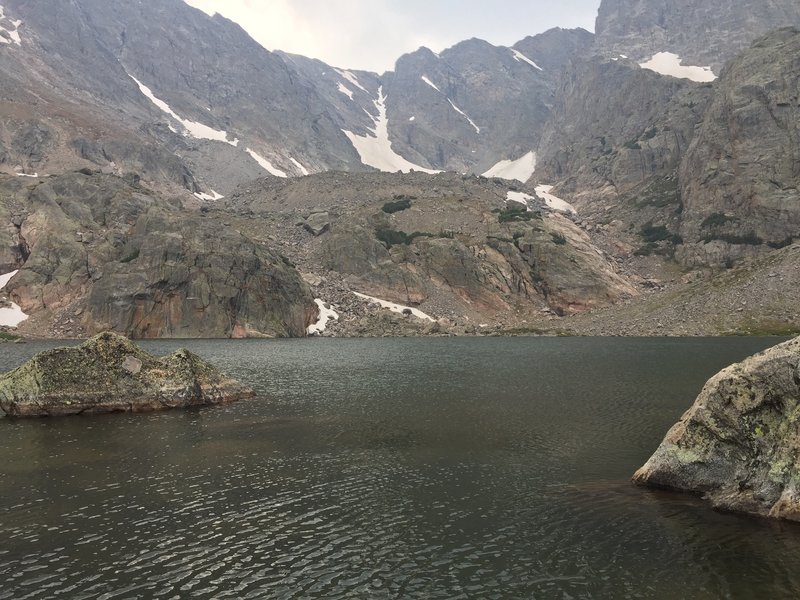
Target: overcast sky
x,y
372,34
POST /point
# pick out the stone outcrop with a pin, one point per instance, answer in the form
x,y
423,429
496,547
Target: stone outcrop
x,y
98,253
739,444
455,248
108,373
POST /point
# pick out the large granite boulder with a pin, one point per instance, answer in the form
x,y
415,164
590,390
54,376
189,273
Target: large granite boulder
x,y
738,445
108,373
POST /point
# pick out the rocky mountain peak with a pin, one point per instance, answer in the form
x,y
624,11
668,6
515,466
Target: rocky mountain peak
x,y
700,32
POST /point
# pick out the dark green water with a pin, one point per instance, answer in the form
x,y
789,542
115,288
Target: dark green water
x,y
412,468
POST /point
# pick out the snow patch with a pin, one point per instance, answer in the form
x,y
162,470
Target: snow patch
x,y
520,57
26,175
667,63
412,118
554,202
351,78
325,315
300,167
396,308
13,315
462,113
520,169
212,196
12,30
345,90
193,128
430,83
376,150
265,164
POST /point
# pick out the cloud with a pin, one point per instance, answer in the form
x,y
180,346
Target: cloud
x,y
372,34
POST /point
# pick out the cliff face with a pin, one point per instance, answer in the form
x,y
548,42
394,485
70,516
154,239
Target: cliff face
x,y
738,444
100,253
717,160
701,32
617,125
741,175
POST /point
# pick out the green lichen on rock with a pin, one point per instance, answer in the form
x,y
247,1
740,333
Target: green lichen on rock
x,y
739,444
109,373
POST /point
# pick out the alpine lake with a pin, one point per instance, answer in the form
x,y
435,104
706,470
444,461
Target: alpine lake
x,y
386,468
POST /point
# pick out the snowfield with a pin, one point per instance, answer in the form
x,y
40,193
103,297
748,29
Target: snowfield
x,y
265,164
212,196
667,63
193,128
376,150
345,90
13,315
12,30
325,315
396,308
554,202
520,57
520,169
351,78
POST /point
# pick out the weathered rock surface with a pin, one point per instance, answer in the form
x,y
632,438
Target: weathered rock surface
x,y
108,373
739,444
702,32
456,249
741,175
97,253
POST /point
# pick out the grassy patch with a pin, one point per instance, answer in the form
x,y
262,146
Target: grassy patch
x,y
748,239
134,254
8,337
782,244
651,234
400,203
717,220
558,239
515,212
766,327
392,237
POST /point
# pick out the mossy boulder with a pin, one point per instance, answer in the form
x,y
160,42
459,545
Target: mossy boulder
x,y
739,444
109,373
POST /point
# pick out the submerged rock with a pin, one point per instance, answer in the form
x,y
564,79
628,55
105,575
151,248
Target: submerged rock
x,y
739,444
109,373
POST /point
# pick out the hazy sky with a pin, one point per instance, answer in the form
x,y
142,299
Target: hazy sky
x,y
371,34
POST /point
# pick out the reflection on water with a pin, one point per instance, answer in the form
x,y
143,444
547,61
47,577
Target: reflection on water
x,y
419,468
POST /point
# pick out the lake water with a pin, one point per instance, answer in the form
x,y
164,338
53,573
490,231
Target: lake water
x,y
391,468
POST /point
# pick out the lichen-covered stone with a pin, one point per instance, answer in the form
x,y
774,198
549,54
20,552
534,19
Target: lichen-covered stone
x,y
739,444
108,373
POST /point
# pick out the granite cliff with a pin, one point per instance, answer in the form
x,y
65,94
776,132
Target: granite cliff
x,y
98,252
